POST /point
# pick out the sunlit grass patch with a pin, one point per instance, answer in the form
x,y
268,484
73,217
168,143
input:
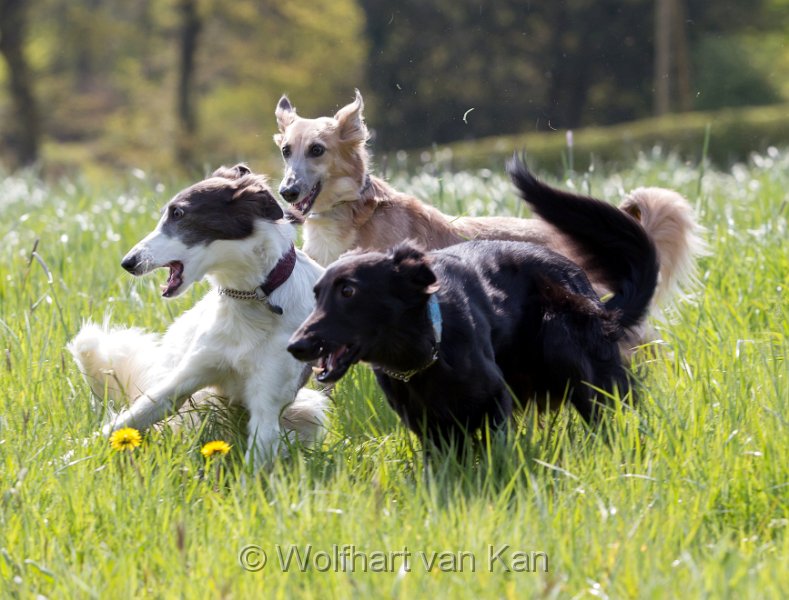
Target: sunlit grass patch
x,y
687,494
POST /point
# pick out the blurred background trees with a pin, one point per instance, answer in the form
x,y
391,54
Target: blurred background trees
x,y
188,83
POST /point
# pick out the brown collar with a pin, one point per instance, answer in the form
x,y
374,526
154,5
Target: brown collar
x,y
364,208
368,184
276,277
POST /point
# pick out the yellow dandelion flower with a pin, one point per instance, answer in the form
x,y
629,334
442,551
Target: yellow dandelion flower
x,y
215,447
127,438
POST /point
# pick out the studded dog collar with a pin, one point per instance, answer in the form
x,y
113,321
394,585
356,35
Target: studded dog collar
x,y
278,275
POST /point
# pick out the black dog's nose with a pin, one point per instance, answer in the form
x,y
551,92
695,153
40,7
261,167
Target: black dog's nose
x,y
290,193
304,348
130,262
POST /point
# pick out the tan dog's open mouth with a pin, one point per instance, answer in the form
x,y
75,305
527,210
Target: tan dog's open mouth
x,y
305,205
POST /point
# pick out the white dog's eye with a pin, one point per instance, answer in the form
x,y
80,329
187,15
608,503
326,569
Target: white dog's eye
x,y
347,291
286,152
317,150
178,212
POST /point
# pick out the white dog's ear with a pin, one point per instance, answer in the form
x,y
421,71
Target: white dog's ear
x,y
350,121
285,113
237,172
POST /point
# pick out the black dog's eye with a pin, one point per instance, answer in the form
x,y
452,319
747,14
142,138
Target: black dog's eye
x,y
347,291
286,152
178,212
317,150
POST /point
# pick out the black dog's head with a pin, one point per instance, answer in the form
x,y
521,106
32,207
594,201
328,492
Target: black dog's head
x,y
363,302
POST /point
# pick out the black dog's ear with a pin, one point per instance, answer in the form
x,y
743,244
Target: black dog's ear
x,y
413,265
236,172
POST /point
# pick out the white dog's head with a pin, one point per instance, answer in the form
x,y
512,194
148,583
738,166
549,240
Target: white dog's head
x,y
188,239
325,158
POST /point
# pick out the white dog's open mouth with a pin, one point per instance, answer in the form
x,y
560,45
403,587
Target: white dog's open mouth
x,y
305,204
175,279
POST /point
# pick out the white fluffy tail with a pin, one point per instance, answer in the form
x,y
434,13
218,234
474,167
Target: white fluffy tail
x,y
118,363
671,223
305,418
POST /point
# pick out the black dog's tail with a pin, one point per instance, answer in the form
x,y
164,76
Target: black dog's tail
x,y
615,248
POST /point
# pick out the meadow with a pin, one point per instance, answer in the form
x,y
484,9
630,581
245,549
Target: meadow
x,y
685,496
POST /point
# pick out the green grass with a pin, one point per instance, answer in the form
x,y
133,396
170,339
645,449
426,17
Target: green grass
x,y
687,497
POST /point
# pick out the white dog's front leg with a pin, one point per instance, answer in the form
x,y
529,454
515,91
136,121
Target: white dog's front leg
x,y
163,400
266,394
264,437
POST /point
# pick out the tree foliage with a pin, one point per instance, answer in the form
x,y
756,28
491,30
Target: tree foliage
x,y
107,73
523,65
103,76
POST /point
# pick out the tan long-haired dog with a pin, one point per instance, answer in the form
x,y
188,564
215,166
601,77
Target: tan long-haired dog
x,y
327,179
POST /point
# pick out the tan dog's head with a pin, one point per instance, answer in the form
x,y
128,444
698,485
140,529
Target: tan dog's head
x,y
325,158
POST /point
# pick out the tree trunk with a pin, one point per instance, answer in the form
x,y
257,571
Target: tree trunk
x,y
12,40
662,56
684,94
191,24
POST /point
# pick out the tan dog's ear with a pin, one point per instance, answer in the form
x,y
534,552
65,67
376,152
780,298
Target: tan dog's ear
x,y
285,113
350,121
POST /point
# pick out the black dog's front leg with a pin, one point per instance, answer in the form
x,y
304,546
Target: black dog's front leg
x,y
491,411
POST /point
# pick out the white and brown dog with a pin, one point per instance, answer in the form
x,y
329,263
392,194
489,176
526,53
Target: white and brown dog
x,y
327,179
230,229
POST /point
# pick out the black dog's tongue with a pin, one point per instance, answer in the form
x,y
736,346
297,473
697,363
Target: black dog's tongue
x,y
328,364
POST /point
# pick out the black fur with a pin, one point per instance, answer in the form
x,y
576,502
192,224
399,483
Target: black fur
x,y
612,243
519,321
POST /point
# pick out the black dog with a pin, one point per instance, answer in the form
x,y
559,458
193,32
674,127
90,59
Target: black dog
x,y
453,334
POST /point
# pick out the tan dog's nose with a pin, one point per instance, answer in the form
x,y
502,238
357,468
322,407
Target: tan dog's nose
x,y
290,193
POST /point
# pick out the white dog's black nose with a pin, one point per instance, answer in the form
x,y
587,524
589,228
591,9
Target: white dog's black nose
x,y
290,193
130,262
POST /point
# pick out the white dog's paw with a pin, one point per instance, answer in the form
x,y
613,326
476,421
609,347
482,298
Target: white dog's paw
x,y
305,418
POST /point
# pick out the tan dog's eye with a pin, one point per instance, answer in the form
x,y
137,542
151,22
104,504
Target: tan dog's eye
x,y
317,150
347,291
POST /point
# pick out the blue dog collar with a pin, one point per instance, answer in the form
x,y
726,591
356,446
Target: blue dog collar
x,y
434,310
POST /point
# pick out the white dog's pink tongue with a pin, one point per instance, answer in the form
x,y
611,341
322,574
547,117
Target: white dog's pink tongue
x,y
175,280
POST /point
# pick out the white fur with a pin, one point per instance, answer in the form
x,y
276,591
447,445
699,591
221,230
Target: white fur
x,y
235,347
679,239
327,236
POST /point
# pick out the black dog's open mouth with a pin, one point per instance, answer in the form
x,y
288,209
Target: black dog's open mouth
x,y
175,279
335,364
305,205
